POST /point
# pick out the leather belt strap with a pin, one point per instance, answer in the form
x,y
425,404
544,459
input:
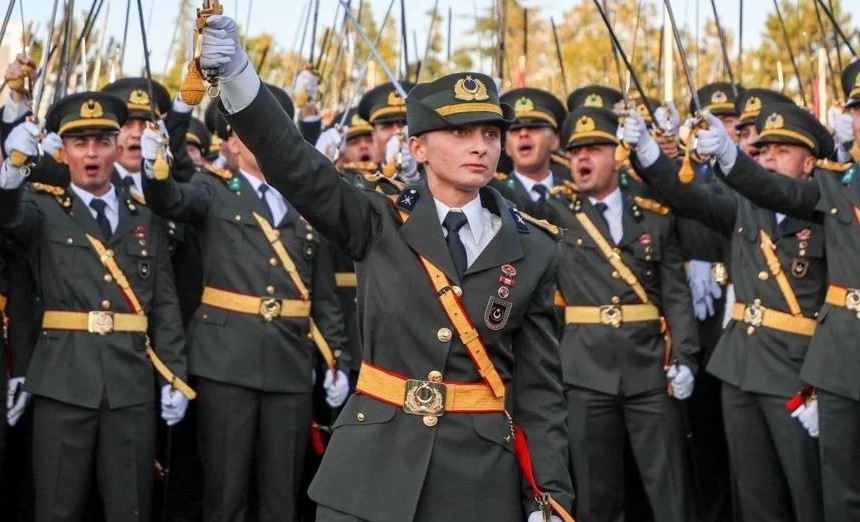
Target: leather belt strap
x,y
107,260
611,315
756,315
769,251
345,279
459,398
844,298
99,322
2,303
611,255
274,239
267,307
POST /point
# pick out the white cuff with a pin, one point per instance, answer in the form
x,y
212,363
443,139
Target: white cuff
x,y
648,154
180,106
728,160
238,92
14,111
10,177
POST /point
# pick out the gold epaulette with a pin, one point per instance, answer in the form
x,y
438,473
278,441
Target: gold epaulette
x,y
653,206
362,166
501,176
833,166
53,190
140,200
221,173
378,178
542,224
561,160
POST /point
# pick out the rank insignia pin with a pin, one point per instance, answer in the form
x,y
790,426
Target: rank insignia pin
x,y
234,184
143,269
509,270
645,239
504,292
507,281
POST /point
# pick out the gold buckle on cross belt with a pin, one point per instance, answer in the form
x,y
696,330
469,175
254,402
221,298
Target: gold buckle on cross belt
x,y
100,322
611,315
754,313
426,398
270,308
852,299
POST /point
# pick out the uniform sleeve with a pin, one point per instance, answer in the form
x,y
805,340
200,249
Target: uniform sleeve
x,y
538,399
693,200
793,197
325,309
675,302
165,319
307,178
186,202
177,124
20,216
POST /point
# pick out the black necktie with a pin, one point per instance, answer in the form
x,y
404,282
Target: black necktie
x,y
101,218
128,181
263,190
601,209
541,191
453,222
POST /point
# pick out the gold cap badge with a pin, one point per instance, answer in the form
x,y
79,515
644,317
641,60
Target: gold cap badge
x,y
719,97
524,105
395,99
584,124
138,97
774,121
91,109
753,104
470,89
593,100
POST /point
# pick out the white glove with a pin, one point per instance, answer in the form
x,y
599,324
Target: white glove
x,y
15,408
668,118
220,50
807,415
537,516
150,143
336,388
681,379
305,87
180,106
715,141
635,133
52,143
703,288
397,151
24,138
331,142
842,125
173,405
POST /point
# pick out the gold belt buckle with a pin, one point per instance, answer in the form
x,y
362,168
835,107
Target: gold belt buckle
x,y
852,300
754,314
425,398
611,315
270,308
100,322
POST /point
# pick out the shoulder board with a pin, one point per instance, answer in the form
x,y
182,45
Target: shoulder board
x,y
362,166
833,166
376,179
631,173
140,200
501,176
555,157
224,174
52,190
542,224
653,206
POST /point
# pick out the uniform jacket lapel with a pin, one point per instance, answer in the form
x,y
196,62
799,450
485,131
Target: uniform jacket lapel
x,y
423,233
505,246
631,228
82,216
596,218
127,220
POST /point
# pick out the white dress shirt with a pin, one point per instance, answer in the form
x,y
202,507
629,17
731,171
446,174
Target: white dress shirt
x,y
529,183
614,210
479,230
274,200
110,198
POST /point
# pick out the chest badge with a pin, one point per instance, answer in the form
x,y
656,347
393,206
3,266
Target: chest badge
x,y
497,313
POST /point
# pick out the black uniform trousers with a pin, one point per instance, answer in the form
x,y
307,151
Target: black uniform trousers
x,y
839,448
70,442
766,443
240,429
597,424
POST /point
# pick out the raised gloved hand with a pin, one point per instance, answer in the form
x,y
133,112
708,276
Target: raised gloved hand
x,y
336,388
668,118
151,141
52,143
843,127
173,405
715,141
21,69
635,133
397,151
807,415
305,87
331,143
537,516
681,379
703,288
24,138
220,51
16,400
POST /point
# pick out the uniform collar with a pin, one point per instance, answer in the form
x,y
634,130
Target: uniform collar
x,y
474,215
110,197
614,202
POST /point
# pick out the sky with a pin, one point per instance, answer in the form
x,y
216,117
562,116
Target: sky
x,y
283,18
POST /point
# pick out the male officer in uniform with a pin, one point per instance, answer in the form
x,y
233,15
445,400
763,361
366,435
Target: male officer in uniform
x,y
778,270
622,277
530,142
832,363
749,105
104,277
426,433
268,281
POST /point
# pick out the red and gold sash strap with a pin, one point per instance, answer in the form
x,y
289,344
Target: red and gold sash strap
x,y
769,251
546,502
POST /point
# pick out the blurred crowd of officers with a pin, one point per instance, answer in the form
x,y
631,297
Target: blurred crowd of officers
x,y
696,361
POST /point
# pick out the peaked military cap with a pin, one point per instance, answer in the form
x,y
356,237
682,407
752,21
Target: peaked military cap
x,y
454,100
135,92
534,108
198,135
851,83
717,98
355,124
750,102
589,126
383,104
283,98
594,96
788,123
90,113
